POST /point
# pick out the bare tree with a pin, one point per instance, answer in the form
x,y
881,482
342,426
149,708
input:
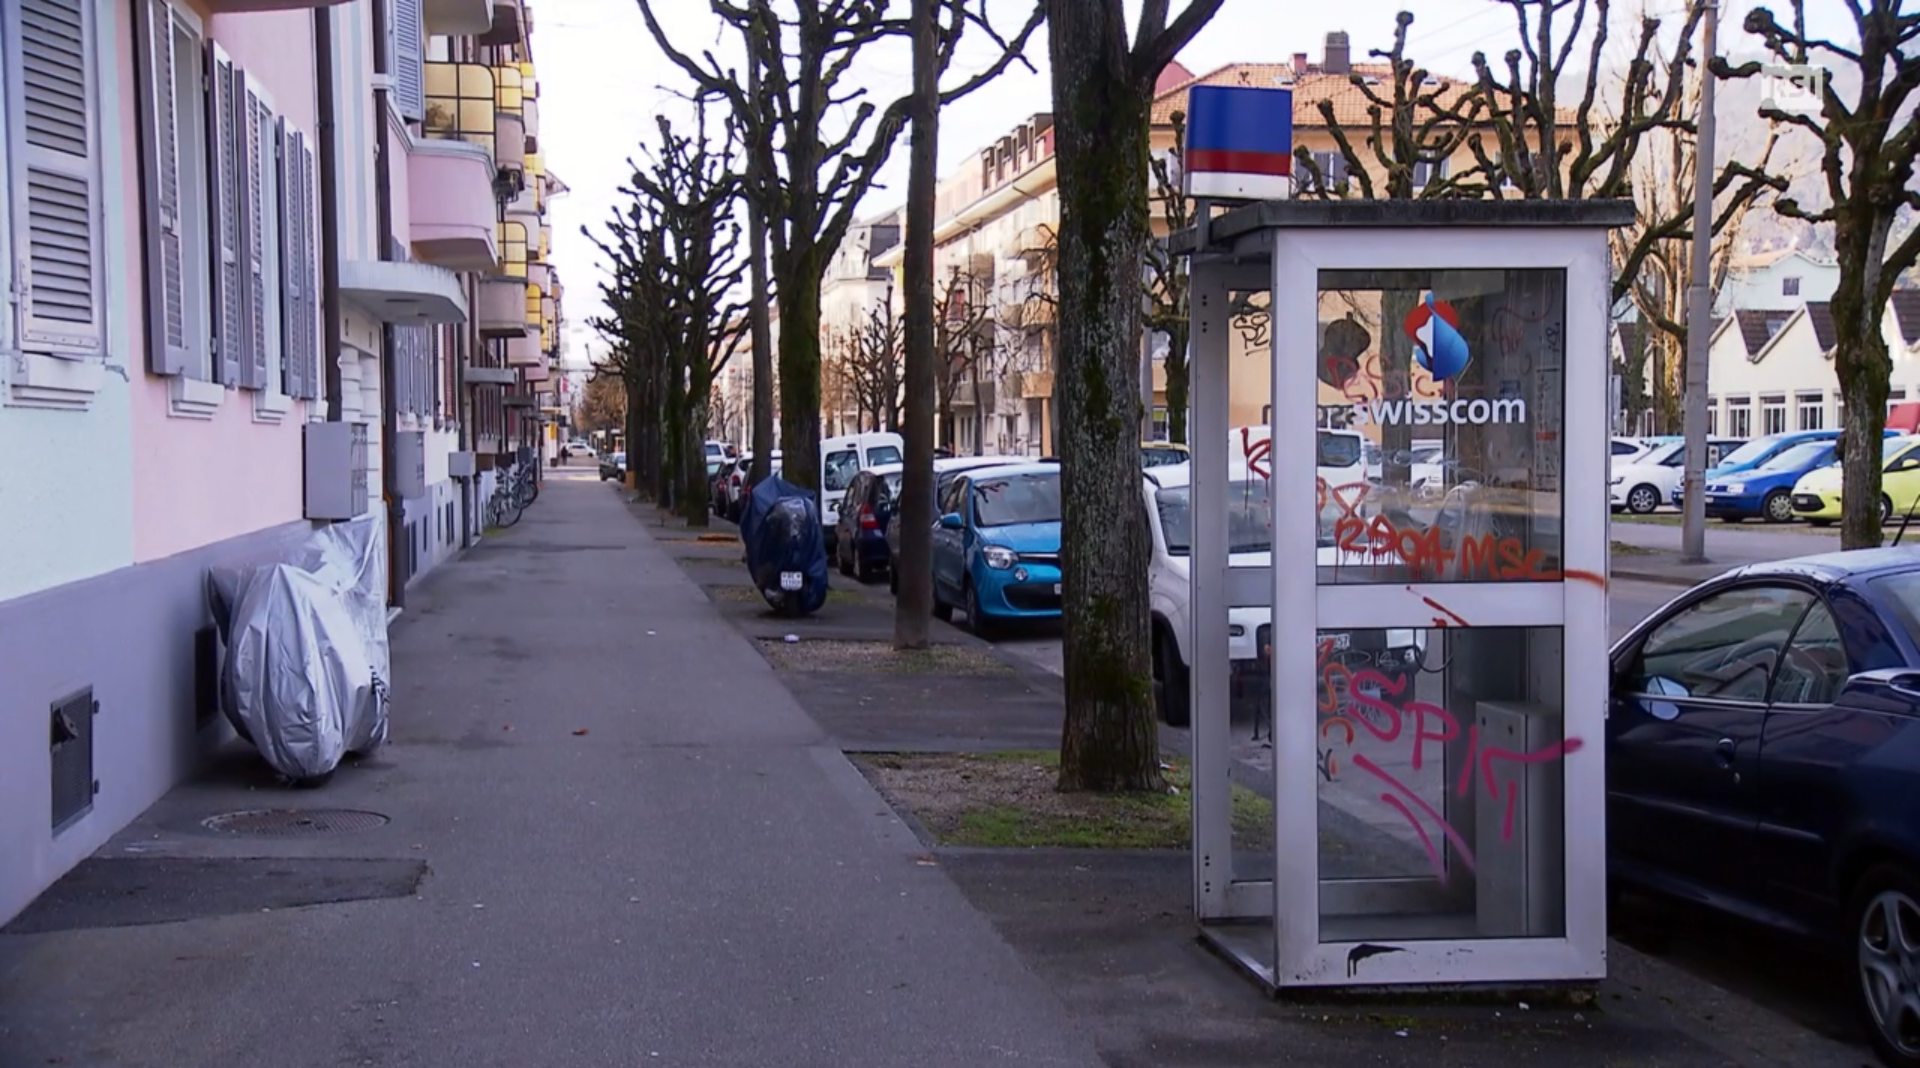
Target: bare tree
x,y
874,350
1869,144
963,348
1103,79
1167,307
912,578
810,192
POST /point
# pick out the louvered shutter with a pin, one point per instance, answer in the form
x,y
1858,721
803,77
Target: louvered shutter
x,y
310,354
406,59
296,297
167,344
224,169
255,131
53,164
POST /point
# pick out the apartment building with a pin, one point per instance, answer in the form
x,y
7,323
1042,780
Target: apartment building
x,y
245,256
1771,370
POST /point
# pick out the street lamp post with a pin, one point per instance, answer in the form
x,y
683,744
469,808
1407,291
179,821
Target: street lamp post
x,y
1693,531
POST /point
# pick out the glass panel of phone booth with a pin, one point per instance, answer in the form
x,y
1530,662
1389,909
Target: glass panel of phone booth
x,y
1440,807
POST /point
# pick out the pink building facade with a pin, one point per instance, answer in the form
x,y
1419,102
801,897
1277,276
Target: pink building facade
x,y
234,226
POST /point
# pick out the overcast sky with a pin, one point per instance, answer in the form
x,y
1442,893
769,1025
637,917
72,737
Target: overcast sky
x,y
603,81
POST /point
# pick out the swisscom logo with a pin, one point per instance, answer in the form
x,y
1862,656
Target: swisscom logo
x,y
1439,348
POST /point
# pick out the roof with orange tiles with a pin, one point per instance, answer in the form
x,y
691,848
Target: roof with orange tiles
x,y
1350,102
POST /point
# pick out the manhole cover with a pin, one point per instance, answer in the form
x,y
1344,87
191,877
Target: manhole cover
x,y
295,822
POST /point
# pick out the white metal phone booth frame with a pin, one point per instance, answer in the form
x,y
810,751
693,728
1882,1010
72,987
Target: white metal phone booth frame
x,y
1540,915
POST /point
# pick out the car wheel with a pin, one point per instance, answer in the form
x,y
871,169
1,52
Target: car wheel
x,y
977,621
1643,500
1886,930
862,571
1171,697
840,561
1777,508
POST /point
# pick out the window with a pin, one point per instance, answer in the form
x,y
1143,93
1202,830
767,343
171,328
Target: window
x,y
838,470
1895,396
1815,665
1425,171
174,170
1773,414
1017,499
1790,286
1813,410
1332,166
1723,648
1739,417
1160,423
1713,417
48,65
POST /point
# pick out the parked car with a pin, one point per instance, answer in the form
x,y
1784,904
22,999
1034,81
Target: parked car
x,y
845,456
996,550
1249,630
1162,453
945,470
1766,491
860,543
1755,452
1763,759
1651,480
1625,449
1816,496
613,465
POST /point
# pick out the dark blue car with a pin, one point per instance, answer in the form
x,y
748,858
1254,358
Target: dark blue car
x,y
1763,759
1766,491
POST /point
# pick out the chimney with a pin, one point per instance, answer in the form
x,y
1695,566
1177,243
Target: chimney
x,y
1299,64
1336,61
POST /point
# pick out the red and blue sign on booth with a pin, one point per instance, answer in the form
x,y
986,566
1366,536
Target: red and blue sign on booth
x,y
1239,142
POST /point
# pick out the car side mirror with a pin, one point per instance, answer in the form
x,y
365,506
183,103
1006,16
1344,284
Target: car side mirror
x,y
952,521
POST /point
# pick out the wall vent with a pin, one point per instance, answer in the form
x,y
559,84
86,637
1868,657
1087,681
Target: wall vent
x,y
71,741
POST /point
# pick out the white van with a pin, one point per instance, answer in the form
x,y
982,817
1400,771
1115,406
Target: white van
x,y
1340,456
845,456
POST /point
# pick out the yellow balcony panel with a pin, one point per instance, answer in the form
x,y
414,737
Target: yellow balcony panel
x,y
535,165
509,25
513,250
460,103
533,306
502,308
506,91
451,206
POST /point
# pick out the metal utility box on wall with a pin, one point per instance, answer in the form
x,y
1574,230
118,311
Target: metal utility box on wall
x,y
336,470
461,465
410,464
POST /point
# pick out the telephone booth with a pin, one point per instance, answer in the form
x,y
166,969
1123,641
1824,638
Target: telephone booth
x,y
1398,677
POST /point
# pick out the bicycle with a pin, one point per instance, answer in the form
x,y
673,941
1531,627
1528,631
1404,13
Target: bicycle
x,y
511,495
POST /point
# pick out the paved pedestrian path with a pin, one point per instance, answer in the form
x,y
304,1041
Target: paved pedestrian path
x,y
637,850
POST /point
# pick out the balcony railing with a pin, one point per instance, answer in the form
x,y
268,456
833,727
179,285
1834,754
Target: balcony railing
x,y
460,103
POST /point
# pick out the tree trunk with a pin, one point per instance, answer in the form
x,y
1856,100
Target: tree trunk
x,y
1109,740
1863,366
913,603
1176,365
757,314
632,430
694,498
797,283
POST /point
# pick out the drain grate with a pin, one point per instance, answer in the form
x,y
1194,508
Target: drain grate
x,y
294,822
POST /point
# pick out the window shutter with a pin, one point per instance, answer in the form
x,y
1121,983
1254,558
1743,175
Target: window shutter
x,y
310,354
296,280
255,131
167,347
224,169
53,171
405,59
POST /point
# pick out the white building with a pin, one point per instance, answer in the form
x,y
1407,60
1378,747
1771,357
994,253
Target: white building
x,y
1777,280
1772,371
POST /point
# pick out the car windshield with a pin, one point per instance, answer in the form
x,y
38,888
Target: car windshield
x,y
882,454
1799,456
1249,518
1901,592
1007,499
1338,450
1749,452
1667,454
1892,448
840,467
619,457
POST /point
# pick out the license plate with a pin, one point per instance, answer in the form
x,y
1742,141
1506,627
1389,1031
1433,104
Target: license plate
x,y
791,580
1056,589
1342,641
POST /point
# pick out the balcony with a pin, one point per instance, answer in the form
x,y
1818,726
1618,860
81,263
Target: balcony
x,y
405,294
509,24
536,373
524,351
502,308
460,104
530,111
540,276
451,205
456,18
486,376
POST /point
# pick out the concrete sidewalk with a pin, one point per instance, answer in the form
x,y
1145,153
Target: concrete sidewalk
x,y
614,839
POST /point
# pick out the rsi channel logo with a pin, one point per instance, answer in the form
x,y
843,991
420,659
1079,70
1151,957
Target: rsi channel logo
x,y
1441,350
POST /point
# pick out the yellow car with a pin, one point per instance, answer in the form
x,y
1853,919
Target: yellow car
x,y
1816,497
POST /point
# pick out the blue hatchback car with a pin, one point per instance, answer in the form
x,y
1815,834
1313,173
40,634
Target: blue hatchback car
x,y
1765,491
996,549
1756,451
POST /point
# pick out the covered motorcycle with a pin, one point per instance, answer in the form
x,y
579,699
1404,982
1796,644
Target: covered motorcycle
x,y
305,676
786,547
